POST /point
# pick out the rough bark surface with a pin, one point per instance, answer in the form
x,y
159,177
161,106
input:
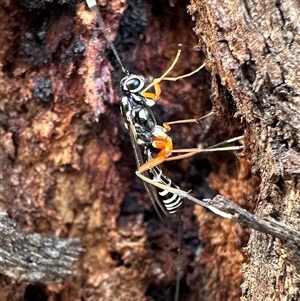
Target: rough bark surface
x,y
253,53
68,163
35,258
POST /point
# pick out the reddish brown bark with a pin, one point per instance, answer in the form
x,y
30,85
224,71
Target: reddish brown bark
x,y
69,163
253,50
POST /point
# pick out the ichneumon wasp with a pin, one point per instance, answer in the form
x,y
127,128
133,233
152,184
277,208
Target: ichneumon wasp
x,y
136,102
145,134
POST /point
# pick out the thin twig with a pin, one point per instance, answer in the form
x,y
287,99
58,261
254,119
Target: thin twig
x,y
268,226
227,209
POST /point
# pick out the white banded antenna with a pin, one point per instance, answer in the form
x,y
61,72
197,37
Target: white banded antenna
x,y
92,5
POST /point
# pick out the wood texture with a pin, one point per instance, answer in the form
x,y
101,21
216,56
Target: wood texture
x,y
253,51
69,166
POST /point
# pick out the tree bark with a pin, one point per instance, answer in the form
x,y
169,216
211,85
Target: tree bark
x,y
69,167
253,52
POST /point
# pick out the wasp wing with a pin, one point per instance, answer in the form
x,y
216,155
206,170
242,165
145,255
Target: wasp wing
x,y
139,158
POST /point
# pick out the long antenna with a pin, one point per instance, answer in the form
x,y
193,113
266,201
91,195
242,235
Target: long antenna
x,y
92,4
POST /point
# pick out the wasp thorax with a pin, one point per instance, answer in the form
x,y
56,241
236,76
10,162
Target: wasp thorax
x,y
133,83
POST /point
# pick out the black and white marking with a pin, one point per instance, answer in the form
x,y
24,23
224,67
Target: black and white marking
x,y
172,202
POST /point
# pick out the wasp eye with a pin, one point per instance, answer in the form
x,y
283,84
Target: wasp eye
x,y
133,84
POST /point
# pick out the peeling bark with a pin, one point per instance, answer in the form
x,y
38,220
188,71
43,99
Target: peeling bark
x,y
253,53
34,258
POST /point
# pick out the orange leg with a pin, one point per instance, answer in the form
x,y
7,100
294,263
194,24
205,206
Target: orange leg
x,y
154,96
164,142
193,151
213,148
194,120
156,81
166,125
166,146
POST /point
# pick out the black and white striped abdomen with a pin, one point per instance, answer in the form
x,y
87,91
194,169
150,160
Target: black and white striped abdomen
x,y
170,201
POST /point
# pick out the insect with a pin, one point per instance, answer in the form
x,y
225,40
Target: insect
x,y
136,103
172,202
144,132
